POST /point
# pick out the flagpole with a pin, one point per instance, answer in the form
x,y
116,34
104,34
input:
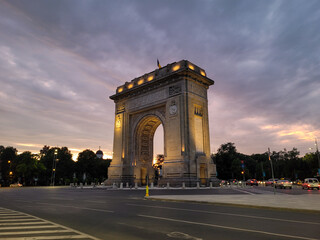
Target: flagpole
x,y
274,186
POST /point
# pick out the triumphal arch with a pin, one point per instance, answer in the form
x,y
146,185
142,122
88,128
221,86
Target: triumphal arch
x,y
176,97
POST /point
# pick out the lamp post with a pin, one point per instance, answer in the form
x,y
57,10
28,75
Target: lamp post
x,y
317,151
54,166
274,186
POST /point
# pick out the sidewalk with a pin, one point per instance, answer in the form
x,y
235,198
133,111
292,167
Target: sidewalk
x,y
305,202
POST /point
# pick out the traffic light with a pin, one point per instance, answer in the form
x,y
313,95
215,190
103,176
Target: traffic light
x,y
242,172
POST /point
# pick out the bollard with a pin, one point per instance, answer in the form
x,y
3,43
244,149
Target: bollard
x,y
210,184
121,185
81,185
113,185
147,191
168,185
183,185
198,185
136,185
152,185
127,185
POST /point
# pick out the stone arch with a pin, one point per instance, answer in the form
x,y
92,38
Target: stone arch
x,y
176,96
143,138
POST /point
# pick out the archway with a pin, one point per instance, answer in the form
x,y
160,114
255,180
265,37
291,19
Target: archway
x,y
176,97
144,149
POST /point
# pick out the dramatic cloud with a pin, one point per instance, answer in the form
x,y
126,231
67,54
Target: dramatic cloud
x,y
61,60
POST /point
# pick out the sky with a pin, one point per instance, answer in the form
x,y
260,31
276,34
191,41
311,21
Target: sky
x,y
61,60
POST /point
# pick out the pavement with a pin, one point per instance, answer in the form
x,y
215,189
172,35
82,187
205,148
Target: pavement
x,y
305,202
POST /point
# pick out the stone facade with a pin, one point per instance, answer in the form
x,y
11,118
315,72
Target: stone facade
x,y
176,97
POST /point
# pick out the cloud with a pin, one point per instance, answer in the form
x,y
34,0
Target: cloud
x,y
59,62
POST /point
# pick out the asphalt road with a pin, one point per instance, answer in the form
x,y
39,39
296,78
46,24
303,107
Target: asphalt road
x,y
124,214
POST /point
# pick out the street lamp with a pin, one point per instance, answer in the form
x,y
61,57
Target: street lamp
x,y
316,143
54,166
317,152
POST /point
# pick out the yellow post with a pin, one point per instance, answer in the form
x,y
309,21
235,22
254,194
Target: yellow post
x,y
147,191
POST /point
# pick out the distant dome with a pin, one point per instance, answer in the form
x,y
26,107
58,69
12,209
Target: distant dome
x,y
99,153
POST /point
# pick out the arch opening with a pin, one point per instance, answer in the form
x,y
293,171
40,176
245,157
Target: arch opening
x,y
146,149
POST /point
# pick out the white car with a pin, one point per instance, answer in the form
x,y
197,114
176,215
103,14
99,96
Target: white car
x,y
310,183
283,184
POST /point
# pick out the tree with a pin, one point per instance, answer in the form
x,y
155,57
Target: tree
x,y
310,164
226,154
65,166
27,168
90,168
7,157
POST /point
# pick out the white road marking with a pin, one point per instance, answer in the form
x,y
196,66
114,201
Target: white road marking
x,y
18,220
48,237
35,232
243,191
28,227
34,225
13,217
182,236
84,208
226,227
102,202
21,223
9,214
227,214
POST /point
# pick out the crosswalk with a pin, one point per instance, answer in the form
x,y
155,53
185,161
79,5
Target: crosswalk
x,y
16,225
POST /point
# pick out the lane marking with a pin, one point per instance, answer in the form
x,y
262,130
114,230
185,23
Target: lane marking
x,y
9,214
228,214
84,208
18,220
103,202
28,227
182,236
243,191
226,227
35,232
53,228
13,217
22,223
56,198
46,237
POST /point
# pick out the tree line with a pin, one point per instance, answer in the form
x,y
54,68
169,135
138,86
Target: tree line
x,y
286,164
51,165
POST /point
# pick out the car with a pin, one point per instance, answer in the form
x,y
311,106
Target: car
x,y
15,185
269,182
252,182
233,181
310,183
283,184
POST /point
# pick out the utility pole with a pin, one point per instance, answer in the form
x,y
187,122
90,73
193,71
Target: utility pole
x,y
317,151
274,186
54,166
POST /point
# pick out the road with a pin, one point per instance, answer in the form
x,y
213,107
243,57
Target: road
x,y
125,214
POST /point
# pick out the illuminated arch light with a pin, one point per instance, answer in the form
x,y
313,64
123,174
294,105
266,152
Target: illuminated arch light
x,y
150,78
120,90
130,85
140,81
176,67
202,73
191,67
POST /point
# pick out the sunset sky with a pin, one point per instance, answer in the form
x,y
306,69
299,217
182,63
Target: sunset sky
x,y
61,60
